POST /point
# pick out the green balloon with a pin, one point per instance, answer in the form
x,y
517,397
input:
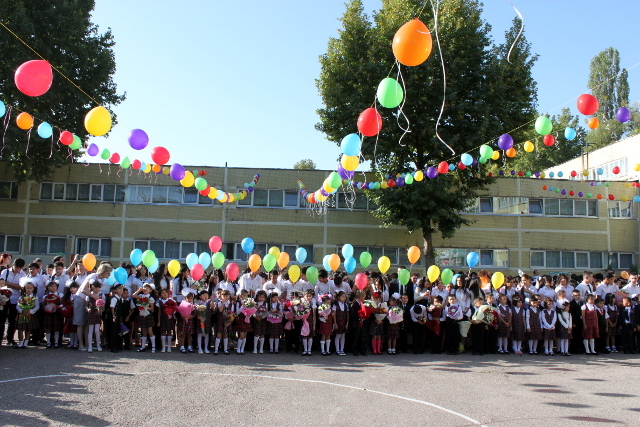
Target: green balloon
x,y
446,276
218,260
77,143
201,184
557,190
365,259
125,163
485,151
408,179
148,258
312,274
589,195
335,180
482,160
376,186
528,174
404,276
269,261
606,184
105,154
543,125
390,93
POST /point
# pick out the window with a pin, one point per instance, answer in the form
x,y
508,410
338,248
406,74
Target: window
x,y
552,259
458,257
625,260
175,195
290,199
537,259
46,191
619,209
10,244
260,197
580,207
276,198
392,254
187,248
72,192
595,260
157,246
566,207
204,200
568,260
98,247
535,206
486,204
190,195
159,194
143,245
47,245
577,260
376,253
582,260
8,190
246,201
83,192
486,257
172,250
96,192
552,207
143,194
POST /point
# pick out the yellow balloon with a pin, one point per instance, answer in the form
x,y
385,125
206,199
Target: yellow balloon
x,y
283,260
225,198
624,275
165,170
231,198
496,155
274,251
542,174
497,279
294,273
585,172
334,262
326,187
98,121
255,262
320,197
433,273
188,179
413,254
89,261
626,184
147,169
349,163
418,176
173,267
529,147
383,264
384,184
636,167
213,193
624,198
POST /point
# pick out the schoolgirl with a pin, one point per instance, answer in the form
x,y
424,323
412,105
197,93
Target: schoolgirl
x,y
52,319
612,323
532,325
504,325
95,310
603,318
274,327
563,328
491,333
259,322
340,314
146,304
203,325
187,326
308,339
66,309
160,280
393,329
325,324
26,319
167,323
517,325
180,282
548,320
590,329
242,325
226,316
452,314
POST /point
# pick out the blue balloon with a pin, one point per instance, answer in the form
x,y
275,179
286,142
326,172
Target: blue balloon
x,y
143,166
205,260
44,130
192,259
466,159
325,262
472,259
600,171
551,175
154,266
247,245
347,251
560,174
121,275
350,263
636,199
3,109
136,257
452,167
570,134
351,145
454,279
112,277
301,255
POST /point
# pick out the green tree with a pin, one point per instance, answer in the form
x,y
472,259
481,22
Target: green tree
x,y
485,97
305,164
62,32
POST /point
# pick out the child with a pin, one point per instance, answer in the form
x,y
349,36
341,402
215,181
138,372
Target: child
x,y
590,329
393,329
491,333
517,325
576,317
259,322
26,319
548,323
130,317
564,327
603,317
477,330
66,309
356,326
504,325
53,320
612,323
325,324
419,317
308,339
375,330
204,321
117,309
274,327
340,314
434,313
226,316
242,325
95,315
627,325
145,303
187,326
167,319
452,315
532,325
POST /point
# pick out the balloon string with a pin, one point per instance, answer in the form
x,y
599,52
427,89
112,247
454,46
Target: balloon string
x,y
51,151
7,119
400,109
519,33
28,141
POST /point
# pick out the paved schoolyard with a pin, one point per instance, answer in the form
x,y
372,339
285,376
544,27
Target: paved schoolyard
x,y
60,387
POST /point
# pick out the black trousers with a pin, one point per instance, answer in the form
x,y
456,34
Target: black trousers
x,y
576,339
490,340
38,334
477,337
418,338
453,336
627,338
358,340
115,340
9,314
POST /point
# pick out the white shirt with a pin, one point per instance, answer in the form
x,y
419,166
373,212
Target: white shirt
x,y
548,292
9,276
585,289
527,315
565,319
175,288
631,289
36,306
415,316
225,286
344,287
543,319
252,285
464,298
277,287
40,282
324,289
61,280
603,289
443,293
568,289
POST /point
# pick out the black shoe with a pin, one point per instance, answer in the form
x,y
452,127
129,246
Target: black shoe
x,y
126,347
113,350
12,342
141,350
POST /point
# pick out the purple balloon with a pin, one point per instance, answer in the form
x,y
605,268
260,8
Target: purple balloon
x,y
93,150
400,182
501,173
592,183
474,162
623,115
580,194
513,172
250,189
138,139
505,141
324,193
345,174
563,192
432,172
177,172
537,174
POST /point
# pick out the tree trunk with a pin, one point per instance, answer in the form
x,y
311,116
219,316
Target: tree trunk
x,y
429,254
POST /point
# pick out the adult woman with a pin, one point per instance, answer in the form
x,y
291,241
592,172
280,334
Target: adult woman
x,y
5,261
80,314
422,291
161,280
179,283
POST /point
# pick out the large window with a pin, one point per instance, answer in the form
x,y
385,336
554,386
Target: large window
x,y
533,206
620,209
271,198
82,192
607,170
234,251
578,260
171,249
8,190
10,244
458,257
620,260
96,246
47,245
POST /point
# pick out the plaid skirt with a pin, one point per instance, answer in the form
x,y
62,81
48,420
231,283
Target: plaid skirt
x,y
242,325
393,330
549,334
591,320
503,330
221,328
167,324
188,326
31,325
259,326
562,333
95,318
536,329
517,326
275,330
375,329
53,321
326,328
69,327
341,320
147,321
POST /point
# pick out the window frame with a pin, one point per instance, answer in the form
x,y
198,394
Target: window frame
x,y
102,246
5,238
48,248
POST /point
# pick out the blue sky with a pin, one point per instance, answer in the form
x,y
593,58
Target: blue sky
x,y
233,82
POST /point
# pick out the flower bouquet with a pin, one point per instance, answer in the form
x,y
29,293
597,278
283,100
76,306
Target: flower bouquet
x,y
395,314
143,303
261,312
170,307
301,311
288,314
324,311
381,312
100,304
274,316
66,309
202,315
487,314
26,304
185,308
229,318
248,309
367,308
5,294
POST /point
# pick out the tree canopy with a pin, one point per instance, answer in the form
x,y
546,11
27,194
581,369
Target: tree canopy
x,y
305,164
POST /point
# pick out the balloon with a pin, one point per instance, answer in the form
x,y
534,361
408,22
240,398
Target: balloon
x,y
593,123
255,262
160,155
361,281
390,93
511,152
173,267
200,183
301,255
177,172
466,159
197,272
543,125
404,276
247,245
188,179
433,273
312,274
334,262
365,259
548,140
325,263
3,109
274,251
136,257
269,262
418,176
443,167
624,275
98,121
497,279
218,260
24,121
215,244
505,142
623,115
115,158
344,174
283,260
570,134
587,104
432,172
529,147
351,144
45,130
294,273
34,78
349,163
413,254
350,264
495,156
232,271
347,251
154,267
192,259
89,261
138,139
204,260
148,258
412,43
124,164
472,259
112,278
447,276
383,264
486,151
369,122
105,154
121,275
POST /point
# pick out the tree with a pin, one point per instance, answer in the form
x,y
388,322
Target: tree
x,y
64,35
485,97
305,164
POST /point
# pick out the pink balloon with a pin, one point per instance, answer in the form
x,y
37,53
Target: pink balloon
x,y
232,271
34,78
197,272
361,281
215,243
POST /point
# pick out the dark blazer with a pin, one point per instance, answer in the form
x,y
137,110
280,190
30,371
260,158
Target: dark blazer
x,y
575,308
353,314
406,290
622,319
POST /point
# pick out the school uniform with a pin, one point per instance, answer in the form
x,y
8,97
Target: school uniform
x,y
452,314
32,320
601,314
532,322
167,323
95,316
357,330
477,334
628,323
590,328
341,309
491,337
504,331
434,330
119,312
206,321
147,321
517,323
258,321
563,325
53,321
241,320
275,329
585,289
613,313
228,309
548,322
575,308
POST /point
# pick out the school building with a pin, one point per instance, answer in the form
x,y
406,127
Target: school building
x,y
109,212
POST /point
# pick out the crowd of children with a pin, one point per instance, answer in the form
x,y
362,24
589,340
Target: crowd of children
x,y
560,315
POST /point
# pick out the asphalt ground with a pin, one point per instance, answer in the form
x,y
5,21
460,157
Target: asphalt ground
x,y
68,387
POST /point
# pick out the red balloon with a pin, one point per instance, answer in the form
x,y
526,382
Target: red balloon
x,y
205,192
197,271
66,137
544,187
612,197
115,158
34,78
391,183
599,196
549,140
160,155
490,174
369,122
461,166
136,164
574,173
520,173
232,271
587,104
443,167
571,193
215,244
361,281
615,170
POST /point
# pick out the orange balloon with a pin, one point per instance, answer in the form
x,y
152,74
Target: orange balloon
x,y
334,262
593,123
414,254
89,261
283,260
255,262
24,121
511,152
412,43
156,168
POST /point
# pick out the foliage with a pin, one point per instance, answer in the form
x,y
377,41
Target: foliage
x,y
305,164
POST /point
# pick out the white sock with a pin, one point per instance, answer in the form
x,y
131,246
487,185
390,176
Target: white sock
x,y
304,344
163,340
200,341
585,342
337,339
342,340
327,345
276,343
261,344
271,343
153,342
255,343
592,343
206,342
143,344
48,338
225,344
98,343
169,340
56,337
217,344
322,347
309,344
90,337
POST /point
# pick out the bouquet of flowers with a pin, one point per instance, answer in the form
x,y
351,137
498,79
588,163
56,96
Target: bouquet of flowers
x,y
100,304
202,315
143,303
50,300
288,314
381,312
26,304
324,311
422,319
229,318
5,294
170,307
66,309
301,311
248,309
274,316
486,314
185,308
395,314
261,312
367,308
